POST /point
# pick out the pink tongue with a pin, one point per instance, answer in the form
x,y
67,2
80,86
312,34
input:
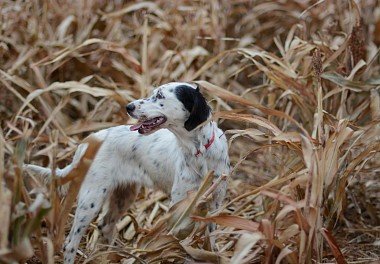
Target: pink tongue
x,y
135,127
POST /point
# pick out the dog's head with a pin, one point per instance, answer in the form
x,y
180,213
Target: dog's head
x,y
171,105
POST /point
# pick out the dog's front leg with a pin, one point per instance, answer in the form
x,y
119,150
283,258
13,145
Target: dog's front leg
x,y
219,193
184,182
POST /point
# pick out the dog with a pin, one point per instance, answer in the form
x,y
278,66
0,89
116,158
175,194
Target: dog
x,y
172,147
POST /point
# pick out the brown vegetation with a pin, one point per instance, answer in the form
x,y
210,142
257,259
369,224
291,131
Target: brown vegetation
x,y
295,84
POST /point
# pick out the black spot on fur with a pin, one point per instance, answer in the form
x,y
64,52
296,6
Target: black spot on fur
x,y
195,103
83,219
72,250
161,105
78,230
104,190
92,205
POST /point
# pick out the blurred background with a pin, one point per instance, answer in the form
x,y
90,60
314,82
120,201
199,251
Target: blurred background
x,y
295,84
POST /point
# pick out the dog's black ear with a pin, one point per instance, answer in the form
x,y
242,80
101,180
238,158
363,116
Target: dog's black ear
x,y
195,103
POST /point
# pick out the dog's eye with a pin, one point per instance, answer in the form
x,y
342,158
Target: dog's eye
x,y
159,95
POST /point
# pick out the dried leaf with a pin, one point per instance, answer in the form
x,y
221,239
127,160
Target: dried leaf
x,y
204,255
231,221
245,243
333,246
352,85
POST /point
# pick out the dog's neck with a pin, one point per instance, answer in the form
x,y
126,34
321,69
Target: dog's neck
x,y
196,139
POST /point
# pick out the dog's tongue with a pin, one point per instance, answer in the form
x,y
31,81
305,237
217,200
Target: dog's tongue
x,y
136,127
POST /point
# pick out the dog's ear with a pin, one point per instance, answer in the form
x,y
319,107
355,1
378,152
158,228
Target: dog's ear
x,y
199,112
197,89
195,103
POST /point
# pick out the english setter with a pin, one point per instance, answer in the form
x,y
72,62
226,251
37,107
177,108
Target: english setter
x,y
173,145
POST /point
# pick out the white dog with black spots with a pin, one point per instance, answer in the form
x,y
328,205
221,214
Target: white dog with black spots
x,y
172,147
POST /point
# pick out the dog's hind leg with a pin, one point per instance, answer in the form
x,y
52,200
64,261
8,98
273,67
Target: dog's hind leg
x,y
120,200
90,200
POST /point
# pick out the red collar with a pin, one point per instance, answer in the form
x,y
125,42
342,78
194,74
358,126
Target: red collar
x,y
208,145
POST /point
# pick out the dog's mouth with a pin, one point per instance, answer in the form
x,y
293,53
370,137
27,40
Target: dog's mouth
x,y
148,125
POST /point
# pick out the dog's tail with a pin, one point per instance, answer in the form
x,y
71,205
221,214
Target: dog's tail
x,y
46,172
45,175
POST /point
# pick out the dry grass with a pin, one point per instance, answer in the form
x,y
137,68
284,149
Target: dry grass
x,y
295,84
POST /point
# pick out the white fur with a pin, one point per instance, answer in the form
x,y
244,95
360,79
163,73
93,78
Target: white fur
x,y
127,160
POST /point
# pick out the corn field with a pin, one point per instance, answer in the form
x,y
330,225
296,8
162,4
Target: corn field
x,y
295,85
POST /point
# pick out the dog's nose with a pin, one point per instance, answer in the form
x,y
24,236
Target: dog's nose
x,y
130,107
